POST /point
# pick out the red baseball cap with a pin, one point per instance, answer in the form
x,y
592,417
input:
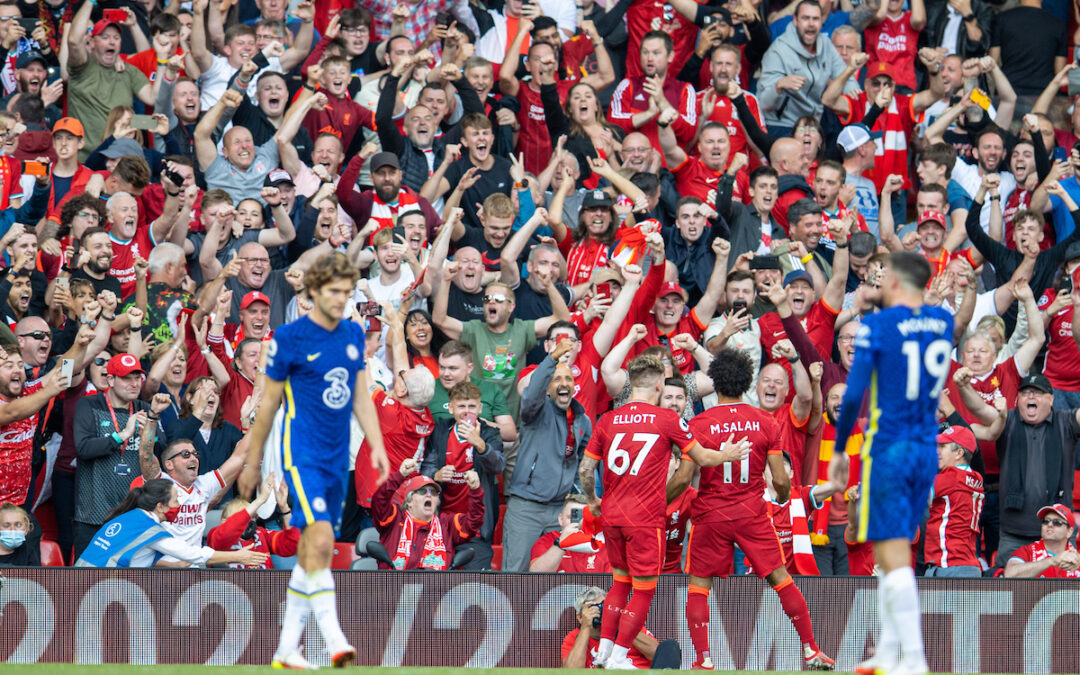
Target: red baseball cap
x,y
931,217
672,287
411,484
960,435
1060,510
254,296
122,365
880,68
100,27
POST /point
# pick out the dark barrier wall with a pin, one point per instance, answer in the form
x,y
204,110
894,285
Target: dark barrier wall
x,y
455,619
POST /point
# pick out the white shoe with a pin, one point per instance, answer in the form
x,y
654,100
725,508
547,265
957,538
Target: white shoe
x,y
293,661
906,667
620,664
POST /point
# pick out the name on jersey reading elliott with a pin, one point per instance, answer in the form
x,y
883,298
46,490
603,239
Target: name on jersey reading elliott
x,y
636,418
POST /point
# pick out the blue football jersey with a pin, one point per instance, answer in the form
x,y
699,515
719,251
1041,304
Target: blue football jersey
x,y
319,369
902,356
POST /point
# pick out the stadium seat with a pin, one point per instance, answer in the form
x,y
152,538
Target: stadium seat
x,y
50,554
344,555
496,557
498,533
367,534
213,518
364,565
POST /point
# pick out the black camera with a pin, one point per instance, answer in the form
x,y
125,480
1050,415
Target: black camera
x,y
598,619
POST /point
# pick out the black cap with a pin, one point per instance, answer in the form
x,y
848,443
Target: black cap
x,y
277,177
595,198
26,58
722,12
1037,381
381,159
1073,252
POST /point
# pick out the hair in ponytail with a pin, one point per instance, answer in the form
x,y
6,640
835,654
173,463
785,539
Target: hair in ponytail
x,y
152,493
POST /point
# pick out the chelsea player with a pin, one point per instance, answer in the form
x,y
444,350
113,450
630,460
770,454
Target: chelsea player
x,y
902,355
316,363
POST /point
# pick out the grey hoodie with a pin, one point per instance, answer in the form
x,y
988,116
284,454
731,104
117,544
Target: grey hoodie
x,y
788,56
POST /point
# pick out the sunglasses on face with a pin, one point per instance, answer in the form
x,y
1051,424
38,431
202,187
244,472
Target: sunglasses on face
x,y
186,454
101,362
500,299
1054,523
428,490
38,335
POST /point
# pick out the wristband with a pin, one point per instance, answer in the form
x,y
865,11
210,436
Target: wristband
x,y
173,194
163,62
970,17
115,436
806,258
153,417
794,360
204,350
518,185
844,245
285,513
995,198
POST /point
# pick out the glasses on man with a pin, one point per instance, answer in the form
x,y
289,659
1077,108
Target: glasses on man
x,y
38,335
845,338
428,490
1054,522
263,261
496,298
101,361
186,454
355,29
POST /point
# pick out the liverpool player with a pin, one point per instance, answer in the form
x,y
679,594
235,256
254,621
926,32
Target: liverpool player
x,y
634,443
729,509
902,356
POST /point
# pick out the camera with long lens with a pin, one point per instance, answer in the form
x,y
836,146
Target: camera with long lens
x,y
599,617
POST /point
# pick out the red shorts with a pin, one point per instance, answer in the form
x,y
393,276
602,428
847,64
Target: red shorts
x,y
639,550
710,549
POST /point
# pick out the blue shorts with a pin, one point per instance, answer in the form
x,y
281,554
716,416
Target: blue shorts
x,y
315,494
895,491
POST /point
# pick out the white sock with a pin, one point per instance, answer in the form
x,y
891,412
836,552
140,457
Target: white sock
x,y
604,650
902,597
296,613
886,653
324,603
619,653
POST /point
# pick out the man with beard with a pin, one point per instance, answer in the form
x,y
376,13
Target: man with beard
x,y
95,86
129,241
930,233
20,402
698,176
95,260
456,366
17,303
714,104
31,77
499,343
828,179
641,102
491,175
388,199
241,167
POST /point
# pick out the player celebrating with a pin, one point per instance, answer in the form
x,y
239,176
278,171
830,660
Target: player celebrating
x,y
318,363
729,510
635,497
907,343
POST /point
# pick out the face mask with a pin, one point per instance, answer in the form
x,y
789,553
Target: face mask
x,y
249,531
12,538
171,514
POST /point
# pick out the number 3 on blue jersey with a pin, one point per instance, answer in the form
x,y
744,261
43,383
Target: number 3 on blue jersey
x,y
936,361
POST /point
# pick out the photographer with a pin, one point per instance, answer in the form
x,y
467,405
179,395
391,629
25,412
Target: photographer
x,y
580,644
575,546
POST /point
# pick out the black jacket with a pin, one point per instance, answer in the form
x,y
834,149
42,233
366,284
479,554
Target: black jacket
x,y
488,465
937,17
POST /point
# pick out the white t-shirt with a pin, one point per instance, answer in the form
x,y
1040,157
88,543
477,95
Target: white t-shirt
x,y
747,341
190,523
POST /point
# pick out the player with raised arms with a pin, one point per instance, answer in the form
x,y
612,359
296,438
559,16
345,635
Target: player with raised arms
x,y
902,356
316,363
729,510
635,445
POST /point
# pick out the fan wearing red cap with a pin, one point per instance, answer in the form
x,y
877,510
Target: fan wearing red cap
x,y
95,86
670,318
952,530
1053,556
900,111
414,532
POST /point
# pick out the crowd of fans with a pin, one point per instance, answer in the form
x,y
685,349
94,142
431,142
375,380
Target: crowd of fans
x,y
536,193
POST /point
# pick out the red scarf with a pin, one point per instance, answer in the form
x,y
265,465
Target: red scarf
x,y
434,548
820,537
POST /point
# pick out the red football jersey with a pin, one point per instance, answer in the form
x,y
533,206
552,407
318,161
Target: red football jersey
x,y
635,469
405,433
1062,356
793,437
124,254
953,526
1037,551
678,518
1003,380
733,491
534,141
646,15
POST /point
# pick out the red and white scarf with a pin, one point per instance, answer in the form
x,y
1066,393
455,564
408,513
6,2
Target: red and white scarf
x,y
820,536
434,557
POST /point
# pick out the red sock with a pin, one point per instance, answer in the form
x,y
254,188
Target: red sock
x,y
633,619
614,605
794,604
697,619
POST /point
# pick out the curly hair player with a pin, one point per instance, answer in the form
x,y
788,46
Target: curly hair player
x,y
910,343
317,363
729,510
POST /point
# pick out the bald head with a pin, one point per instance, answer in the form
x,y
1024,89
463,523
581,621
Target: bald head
x,y
785,156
